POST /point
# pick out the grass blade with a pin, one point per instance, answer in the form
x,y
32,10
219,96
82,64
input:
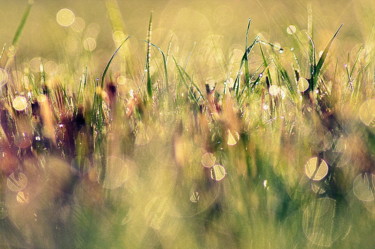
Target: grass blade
x,y
320,63
110,61
18,33
148,58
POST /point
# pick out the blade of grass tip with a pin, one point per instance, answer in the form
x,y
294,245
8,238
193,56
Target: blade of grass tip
x,y
323,58
312,61
193,83
247,74
148,57
25,15
265,63
182,72
164,62
2,52
248,50
110,61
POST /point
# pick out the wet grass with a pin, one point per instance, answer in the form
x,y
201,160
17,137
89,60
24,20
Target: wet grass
x,y
151,156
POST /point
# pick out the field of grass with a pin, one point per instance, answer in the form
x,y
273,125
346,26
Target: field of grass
x,y
189,126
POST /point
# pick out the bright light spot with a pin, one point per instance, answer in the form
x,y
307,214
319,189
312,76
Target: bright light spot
x,y
265,184
367,113
208,160
314,171
17,182
42,98
89,44
78,25
274,90
291,29
302,84
65,17
362,188
194,197
218,172
116,172
19,103
118,36
266,107
232,137
22,197
229,82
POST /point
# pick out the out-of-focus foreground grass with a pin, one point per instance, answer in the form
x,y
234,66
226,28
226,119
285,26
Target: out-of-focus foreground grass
x,y
195,133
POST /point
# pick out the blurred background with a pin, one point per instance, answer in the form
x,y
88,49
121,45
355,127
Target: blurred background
x,y
278,164
188,21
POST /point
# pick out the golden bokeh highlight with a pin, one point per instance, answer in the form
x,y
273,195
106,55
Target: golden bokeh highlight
x,y
302,84
19,103
89,44
316,169
218,173
65,17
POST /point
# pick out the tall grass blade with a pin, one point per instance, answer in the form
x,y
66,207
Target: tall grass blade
x,y
148,58
19,30
110,61
320,63
246,64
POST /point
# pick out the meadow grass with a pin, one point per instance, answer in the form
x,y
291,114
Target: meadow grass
x,y
277,151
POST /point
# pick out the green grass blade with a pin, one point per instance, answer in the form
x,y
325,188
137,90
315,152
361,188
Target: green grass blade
x,y
246,63
164,62
110,61
248,50
148,58
320,63
25,15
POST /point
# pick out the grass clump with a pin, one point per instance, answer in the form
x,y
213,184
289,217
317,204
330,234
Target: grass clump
x,y
175,161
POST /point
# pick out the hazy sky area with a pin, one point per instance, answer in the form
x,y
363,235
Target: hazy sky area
x,y
189,21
